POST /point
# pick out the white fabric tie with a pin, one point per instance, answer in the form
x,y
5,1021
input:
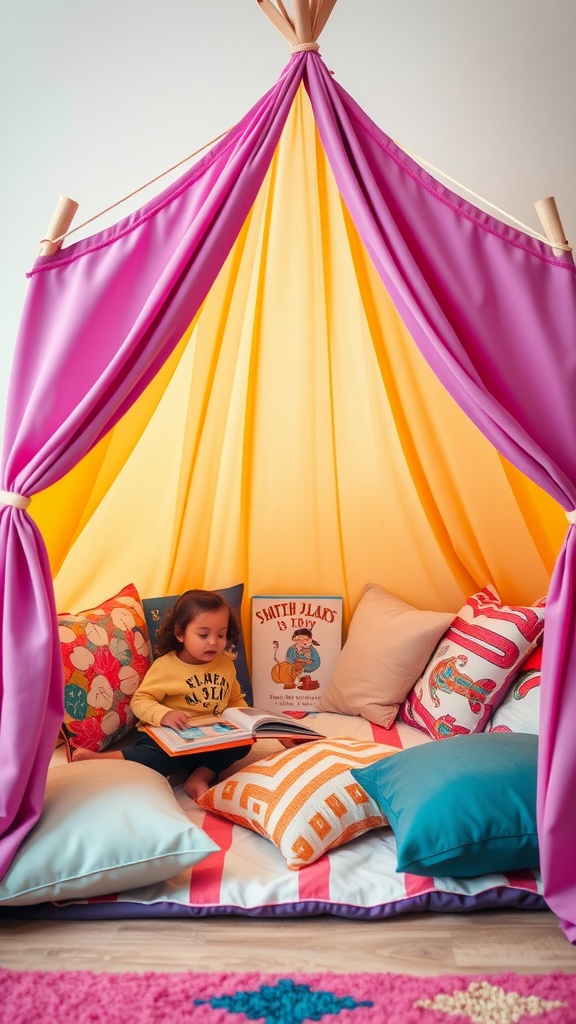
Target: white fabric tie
x,y
571,515
16,500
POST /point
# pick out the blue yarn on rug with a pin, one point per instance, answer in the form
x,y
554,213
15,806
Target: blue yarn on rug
x,y
283,1003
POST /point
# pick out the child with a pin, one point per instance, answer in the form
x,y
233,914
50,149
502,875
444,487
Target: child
x,y
194,675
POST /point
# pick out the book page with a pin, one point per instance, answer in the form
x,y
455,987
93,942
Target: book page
x,y
215,730
199,737
267,723
249,718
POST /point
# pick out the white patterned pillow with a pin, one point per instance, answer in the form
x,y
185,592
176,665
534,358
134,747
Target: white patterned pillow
x,y
304,800
520,709
473,666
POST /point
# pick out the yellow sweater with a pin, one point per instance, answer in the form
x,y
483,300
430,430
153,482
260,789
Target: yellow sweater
x,y
172,685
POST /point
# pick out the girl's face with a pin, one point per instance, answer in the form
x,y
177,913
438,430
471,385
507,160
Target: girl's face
x,y
204,637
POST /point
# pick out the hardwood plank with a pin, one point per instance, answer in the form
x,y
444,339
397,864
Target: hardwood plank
x,y
420,944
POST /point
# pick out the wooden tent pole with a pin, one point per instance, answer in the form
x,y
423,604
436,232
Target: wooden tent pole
x,y
61,220
321,17
550,220
302,23
279,21
283,11
314,8
308,19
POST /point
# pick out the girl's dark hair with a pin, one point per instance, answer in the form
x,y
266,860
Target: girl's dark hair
x,y
189,606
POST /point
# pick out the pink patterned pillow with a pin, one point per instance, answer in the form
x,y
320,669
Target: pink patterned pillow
x,y
473,666
106,653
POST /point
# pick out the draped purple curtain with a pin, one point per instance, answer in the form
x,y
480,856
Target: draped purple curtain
x,y
493,312
99,320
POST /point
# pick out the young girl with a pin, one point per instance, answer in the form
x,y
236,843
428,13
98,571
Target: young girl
x,y
194,675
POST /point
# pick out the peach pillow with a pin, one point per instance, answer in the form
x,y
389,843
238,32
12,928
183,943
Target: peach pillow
x,y
388,646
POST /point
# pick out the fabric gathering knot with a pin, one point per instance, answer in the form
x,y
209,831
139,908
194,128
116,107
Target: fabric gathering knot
x,y
16,500
571,515
301,47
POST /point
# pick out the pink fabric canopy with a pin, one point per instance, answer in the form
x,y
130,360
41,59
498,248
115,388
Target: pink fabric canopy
x,y
492,310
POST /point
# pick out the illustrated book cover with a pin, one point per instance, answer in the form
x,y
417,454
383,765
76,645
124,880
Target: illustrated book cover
x,y
235,727
296,641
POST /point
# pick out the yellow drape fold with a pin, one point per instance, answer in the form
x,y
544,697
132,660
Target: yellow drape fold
x,y
297,441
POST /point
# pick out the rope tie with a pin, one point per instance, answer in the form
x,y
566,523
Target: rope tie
x,y
571,516
56,241
16,500
565,246
301,47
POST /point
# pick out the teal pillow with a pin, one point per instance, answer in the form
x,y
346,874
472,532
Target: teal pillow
x,y
460,808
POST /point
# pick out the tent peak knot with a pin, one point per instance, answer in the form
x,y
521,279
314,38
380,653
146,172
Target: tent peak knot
x,y
571,515
16,500
301,47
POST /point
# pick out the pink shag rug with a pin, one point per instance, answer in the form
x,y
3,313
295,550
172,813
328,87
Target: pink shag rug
x,y
84,997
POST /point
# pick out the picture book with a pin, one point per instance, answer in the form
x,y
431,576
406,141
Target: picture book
x,y
235,727
296,641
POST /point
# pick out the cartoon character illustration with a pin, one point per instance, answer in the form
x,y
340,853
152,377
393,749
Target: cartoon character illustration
x,y
442,728
448,677
286,672
301,661
446,726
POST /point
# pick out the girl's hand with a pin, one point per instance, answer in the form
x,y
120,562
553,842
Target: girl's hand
x,y
177,719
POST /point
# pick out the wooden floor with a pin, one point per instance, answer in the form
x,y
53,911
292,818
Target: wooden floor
x,y
422,944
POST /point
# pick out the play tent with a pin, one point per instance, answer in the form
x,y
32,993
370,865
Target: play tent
x,y
304,366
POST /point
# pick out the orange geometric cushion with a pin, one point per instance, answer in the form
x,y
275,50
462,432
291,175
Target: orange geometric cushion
x,y
304,800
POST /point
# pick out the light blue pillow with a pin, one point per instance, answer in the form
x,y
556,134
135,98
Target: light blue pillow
x,y
106,826
463,807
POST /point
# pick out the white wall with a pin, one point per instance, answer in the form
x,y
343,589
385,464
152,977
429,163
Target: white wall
x,y
98,96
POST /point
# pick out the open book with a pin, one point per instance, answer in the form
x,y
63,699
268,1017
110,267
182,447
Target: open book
x,y
235,727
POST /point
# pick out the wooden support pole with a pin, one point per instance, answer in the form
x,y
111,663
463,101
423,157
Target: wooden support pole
x,y
61,220
285,14
279,21
550,220
325,9
308,19
302,23
314,8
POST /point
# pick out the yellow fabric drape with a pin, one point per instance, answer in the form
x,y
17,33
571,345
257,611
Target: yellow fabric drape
x,y
297,441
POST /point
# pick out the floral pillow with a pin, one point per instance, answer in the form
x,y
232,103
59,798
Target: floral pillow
x,y
106,654
520,709
304,800
473,666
